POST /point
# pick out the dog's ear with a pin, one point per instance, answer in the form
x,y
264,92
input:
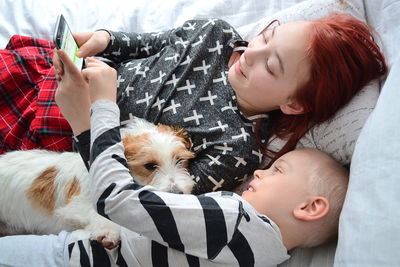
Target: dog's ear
x,y
181,133
178,132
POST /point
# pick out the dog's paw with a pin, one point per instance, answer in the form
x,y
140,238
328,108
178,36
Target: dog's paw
x,y
108,240
107,235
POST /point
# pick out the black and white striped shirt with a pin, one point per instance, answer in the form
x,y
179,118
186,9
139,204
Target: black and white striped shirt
x,y
164,229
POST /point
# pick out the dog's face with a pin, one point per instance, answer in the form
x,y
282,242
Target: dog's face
x,y
158,155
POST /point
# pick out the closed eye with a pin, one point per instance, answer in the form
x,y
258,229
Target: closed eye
x,y
268,69
267,35
276,169
266,38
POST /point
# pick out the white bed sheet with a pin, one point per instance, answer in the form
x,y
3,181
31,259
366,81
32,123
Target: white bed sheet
x,y
37,18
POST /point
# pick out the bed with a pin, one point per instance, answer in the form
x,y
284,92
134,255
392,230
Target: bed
x,y
365,131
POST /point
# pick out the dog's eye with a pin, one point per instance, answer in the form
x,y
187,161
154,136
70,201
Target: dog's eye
x,y
150,166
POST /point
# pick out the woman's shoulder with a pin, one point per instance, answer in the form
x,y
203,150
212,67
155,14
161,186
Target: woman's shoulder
x,y
208,22
212,26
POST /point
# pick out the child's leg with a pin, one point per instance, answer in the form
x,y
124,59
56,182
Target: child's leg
x,y
34,250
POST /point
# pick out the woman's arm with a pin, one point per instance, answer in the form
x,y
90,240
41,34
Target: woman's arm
x,y
120,46
123,45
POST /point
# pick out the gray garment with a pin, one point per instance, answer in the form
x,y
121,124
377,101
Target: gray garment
x,y
180,77
34,250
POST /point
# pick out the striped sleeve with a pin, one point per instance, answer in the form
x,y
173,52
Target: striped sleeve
x,y
200,226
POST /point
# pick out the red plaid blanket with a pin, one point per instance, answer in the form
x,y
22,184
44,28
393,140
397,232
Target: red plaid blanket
x,y
29,116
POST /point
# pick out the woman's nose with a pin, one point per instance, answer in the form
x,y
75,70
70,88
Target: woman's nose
x,y
248,56
251,54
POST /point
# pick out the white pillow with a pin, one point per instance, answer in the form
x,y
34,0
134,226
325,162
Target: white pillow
x,y
306,10
338,136
369,232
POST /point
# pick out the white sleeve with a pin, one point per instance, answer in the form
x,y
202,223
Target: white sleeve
x,y
197,225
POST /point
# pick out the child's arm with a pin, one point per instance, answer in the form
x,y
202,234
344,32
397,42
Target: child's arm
x,y
202,226
197,225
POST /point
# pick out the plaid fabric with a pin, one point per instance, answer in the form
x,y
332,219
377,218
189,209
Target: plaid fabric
x,y
29,117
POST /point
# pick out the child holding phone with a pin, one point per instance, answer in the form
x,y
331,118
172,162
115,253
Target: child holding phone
x,y
64,40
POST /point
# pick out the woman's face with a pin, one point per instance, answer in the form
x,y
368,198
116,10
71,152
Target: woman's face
x,y
269,71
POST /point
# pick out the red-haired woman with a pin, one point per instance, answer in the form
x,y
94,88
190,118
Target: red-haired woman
x,y
342,57
201,76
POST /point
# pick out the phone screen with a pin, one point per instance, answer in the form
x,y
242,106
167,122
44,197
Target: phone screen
x,y
64,40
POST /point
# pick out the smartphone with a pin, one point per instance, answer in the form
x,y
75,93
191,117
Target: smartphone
x,y
64,40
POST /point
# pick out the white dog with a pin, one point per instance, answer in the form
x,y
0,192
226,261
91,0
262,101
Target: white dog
x,y
44,192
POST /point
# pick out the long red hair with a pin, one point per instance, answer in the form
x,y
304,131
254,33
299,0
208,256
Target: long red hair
x,y
344,58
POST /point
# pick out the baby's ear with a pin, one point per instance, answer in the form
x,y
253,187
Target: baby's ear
x,y
292,107
313,209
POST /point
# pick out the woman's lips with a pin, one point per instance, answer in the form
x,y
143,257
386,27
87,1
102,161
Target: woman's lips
x,y
238,69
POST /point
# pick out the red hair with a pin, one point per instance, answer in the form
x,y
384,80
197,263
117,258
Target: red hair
x,y
344,58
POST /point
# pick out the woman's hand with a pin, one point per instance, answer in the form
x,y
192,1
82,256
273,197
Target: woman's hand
x,y
72,95
91,43
102,80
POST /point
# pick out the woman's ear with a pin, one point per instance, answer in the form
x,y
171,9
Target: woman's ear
x,y
314,209
292,107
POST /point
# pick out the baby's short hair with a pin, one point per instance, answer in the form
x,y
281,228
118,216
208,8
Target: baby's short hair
x,y
328,179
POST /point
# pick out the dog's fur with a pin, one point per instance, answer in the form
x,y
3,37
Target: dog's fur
x,y
44,192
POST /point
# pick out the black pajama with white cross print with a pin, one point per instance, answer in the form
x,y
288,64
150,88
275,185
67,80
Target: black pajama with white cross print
x,y
180,77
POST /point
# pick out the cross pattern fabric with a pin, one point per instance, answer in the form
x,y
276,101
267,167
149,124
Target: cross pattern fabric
x,y
177,77
165,229
180,77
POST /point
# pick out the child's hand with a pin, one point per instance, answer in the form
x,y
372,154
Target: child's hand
x,y
72,95
91,43
102,80
58,65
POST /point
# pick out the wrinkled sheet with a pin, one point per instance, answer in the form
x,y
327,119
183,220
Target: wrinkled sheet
x,y
37,19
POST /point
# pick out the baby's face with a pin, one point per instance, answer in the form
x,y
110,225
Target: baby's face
x,y
279,189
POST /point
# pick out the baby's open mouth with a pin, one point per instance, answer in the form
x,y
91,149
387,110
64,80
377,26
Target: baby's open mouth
x,y
251,189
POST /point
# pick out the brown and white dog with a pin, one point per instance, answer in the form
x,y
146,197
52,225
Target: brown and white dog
x,y
44,192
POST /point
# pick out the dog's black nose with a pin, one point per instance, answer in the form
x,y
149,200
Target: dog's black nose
x,y
175,190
